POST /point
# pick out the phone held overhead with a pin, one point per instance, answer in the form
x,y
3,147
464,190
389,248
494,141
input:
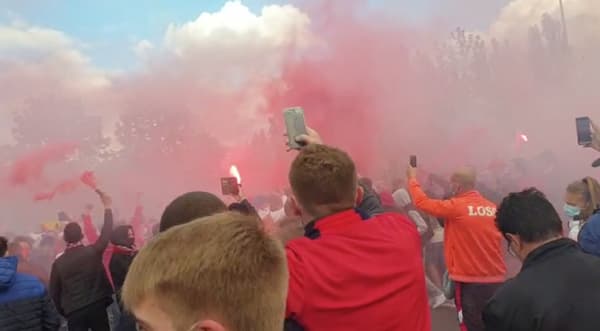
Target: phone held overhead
x,y
230,186
584,131
295,126
413,161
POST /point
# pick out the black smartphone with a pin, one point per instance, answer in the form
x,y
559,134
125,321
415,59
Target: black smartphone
x,y
295,125
230,186
584,131
413,161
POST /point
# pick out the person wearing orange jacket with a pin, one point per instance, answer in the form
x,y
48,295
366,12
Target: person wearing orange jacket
x,y
472,243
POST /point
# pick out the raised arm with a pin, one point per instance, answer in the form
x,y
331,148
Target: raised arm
x,y
105,233
89,229
437,208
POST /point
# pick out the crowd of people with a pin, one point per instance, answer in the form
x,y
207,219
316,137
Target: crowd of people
x,y
336,253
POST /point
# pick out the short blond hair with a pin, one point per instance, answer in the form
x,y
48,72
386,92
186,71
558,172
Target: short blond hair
x,y
223,265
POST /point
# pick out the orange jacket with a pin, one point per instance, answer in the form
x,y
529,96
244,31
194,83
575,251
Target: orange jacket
x,y
472,243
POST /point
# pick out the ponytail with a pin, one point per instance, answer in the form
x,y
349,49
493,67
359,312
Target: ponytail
x,y
589,188
594,193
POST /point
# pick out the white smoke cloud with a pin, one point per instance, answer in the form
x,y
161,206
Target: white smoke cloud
x,y
36,63
225,56
582,17
236,27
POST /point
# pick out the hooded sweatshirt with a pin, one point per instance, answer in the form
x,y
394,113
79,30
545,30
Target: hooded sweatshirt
x,y
24,303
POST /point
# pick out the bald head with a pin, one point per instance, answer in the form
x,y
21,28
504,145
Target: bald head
x,y
464,179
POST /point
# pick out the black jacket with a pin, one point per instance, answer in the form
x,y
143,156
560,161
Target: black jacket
x,y
24,302
122,256
558,289
78,277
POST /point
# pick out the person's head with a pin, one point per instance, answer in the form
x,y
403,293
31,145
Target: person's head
x,y
21,247
463,180
190,206
402,199
366,182
397,184
3,246
64,217
582,198
47,245
324,181
222,272
275,202
123,236
72,233
527,220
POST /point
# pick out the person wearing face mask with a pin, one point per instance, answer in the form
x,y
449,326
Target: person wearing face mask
x,y
557,288
582,206
472,243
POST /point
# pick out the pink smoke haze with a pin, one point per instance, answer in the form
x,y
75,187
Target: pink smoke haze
x,y
30,167
373,83
64,187
89,179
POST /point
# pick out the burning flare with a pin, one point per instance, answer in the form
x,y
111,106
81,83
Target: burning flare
x,y
233,171
524,138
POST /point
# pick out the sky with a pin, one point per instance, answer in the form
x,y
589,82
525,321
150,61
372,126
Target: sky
x,y
109,29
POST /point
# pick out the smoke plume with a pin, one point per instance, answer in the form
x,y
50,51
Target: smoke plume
x,y
211,92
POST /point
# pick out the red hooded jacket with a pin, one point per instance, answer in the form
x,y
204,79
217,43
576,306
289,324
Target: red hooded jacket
x,y
351,272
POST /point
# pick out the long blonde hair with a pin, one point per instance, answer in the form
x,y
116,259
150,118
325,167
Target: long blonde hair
x,y
589,188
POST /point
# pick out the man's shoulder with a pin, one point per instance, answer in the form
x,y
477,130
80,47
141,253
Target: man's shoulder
x,y
297,245
594,222
474,197
511,288
396,224
25,287
392,218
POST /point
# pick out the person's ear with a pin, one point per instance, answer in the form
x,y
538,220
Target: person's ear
x,y
360,193
208,325
296,210
514,240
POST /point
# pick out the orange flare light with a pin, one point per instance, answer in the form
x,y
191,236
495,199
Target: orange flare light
x,y
233,171
524,138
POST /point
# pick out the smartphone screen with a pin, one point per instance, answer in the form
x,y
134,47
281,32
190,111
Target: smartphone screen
x,y
413,161
584,131
229,186
295,125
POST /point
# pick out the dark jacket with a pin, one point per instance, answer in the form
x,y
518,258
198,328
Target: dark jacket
x,y
558,289
120,261
122,257
78,277
589,236
24,302
371,203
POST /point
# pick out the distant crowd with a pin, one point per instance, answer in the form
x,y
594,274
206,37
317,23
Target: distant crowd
x,y
336,252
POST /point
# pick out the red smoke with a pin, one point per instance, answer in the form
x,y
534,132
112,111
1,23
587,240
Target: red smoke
x,y
64,187
30,167
89,179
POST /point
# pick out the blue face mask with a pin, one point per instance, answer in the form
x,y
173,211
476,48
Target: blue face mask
x,y
572,211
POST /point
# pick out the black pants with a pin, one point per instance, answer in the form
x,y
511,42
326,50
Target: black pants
x,y
92,317
471,299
